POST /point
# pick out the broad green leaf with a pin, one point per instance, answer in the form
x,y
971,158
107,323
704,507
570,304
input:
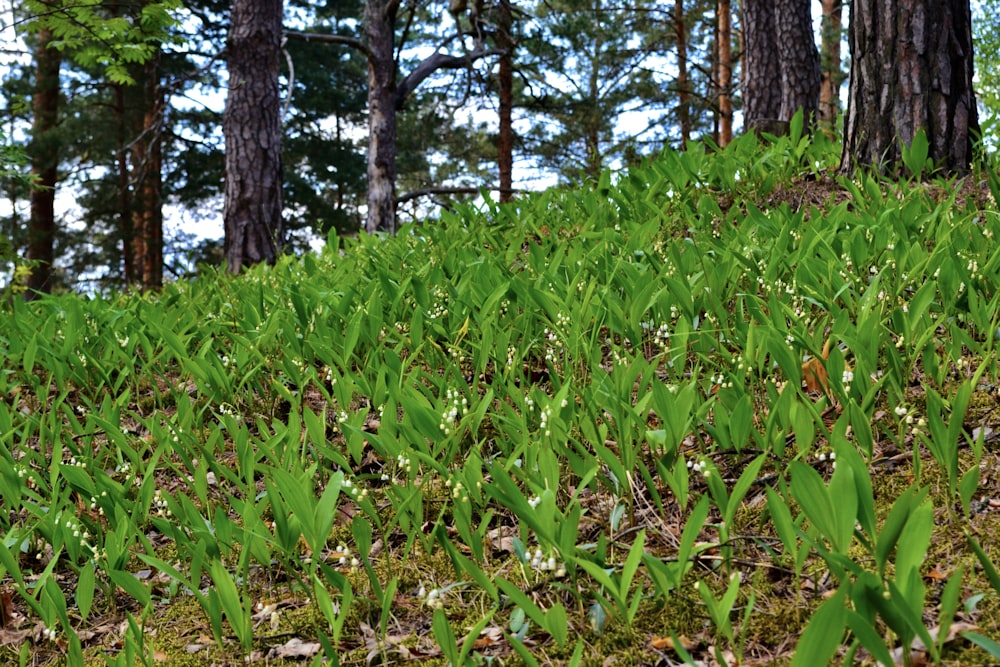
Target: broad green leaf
x,y
823,635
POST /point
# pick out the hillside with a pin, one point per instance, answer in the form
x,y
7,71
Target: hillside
x,y
722,408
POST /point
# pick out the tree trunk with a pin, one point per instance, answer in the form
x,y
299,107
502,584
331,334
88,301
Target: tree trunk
x,y
683,84
505,81
252,128
725,46
762,75
832,76
911,69
146,229
44,165
380,21
124,212
800,75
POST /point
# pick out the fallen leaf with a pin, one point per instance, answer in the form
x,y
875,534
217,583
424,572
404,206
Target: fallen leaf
x,y
814,374
917,649
488,637
667,643
295,648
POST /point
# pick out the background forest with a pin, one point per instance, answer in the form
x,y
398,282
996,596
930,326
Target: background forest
x,y
624,344
120,108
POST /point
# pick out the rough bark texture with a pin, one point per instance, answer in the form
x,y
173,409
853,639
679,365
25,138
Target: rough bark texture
x,y
725,47
762,74
252,128
505,81
683,84
830,63
800,75
380,21
911,69
144,243
44,164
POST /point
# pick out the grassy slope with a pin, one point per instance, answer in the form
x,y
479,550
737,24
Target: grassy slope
x,y
571,425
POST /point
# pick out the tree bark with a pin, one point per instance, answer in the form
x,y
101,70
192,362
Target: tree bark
x,y
505,81
44,165
252,129
145,240
762,74
911,69
800,74
380,21
683,83
725,47
830,63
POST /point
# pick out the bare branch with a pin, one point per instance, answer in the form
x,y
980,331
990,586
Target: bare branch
x,y
433,63
352,42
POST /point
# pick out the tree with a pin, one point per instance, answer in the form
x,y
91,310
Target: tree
x,y
252,128
725,56
782,72
44,152
762,69
505,86
928,86
683,84
800,75
586,65
832,75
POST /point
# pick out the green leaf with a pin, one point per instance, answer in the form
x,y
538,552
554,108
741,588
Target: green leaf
x,y
985,643
823,635
85,585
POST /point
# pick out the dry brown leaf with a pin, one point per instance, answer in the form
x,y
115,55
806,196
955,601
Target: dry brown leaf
x,y
295,648
667,643
502,539
488,637
918,652
814,374
13,637
6,610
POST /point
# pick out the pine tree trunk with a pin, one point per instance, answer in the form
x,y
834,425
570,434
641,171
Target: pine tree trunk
x,y
911,69
725,47
146,240
505,81
380,19
832,76
683,84
252,128
800,75
44,165
762,75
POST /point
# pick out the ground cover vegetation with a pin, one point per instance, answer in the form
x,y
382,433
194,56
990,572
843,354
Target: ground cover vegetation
x,y
722,408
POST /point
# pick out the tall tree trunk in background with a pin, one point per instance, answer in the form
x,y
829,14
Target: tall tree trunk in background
x,y
145,240
800,75
832,76
725,47
762,74
124,213
683,84
252,128
44,165
929,85
380,21
505,80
